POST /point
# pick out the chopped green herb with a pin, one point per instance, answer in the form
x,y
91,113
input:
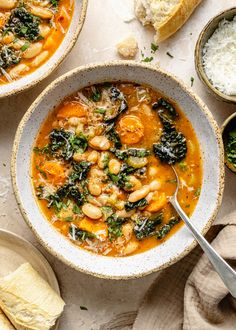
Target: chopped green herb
x,y
96,96
41,172
100,110
147,59
171,181
114,224
197,192
164,230
69,219
230,143
76,209
131,206
183,166
25,46
78,234
154,47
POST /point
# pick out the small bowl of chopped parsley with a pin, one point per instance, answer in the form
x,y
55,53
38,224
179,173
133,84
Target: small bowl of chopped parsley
x,y
229,138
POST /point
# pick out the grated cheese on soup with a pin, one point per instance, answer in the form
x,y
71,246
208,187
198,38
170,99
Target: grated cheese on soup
x,y
219,57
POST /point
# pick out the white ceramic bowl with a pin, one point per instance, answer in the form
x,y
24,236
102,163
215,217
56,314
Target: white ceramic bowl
x,y
60,54
208,135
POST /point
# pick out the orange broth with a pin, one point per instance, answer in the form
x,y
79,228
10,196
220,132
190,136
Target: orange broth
x,y
122,240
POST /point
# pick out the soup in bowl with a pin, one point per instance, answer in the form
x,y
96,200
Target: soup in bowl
x,y
92,168
33,34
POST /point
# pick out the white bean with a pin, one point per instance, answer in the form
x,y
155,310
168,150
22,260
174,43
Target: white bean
x,y
93,212
131,247
153,170
114,166
134,182
18,70
18,44
93,156
44,30
33,50
100,143
7,4
127,230
94,188
44,13
139,194
154,185
78,157
40,58
8,38
103,160
73,121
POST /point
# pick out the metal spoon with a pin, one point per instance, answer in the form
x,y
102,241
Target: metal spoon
x,y
227,274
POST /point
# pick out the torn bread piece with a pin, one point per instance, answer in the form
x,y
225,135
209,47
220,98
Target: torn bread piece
x,y
5,323
128,47
28,300
166,16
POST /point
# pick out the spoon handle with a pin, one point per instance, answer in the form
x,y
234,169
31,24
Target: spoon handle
x,y
227,274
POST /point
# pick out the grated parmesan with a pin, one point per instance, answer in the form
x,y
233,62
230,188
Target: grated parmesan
x,y
219,57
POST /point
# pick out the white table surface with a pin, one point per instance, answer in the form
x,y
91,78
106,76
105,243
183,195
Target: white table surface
x,y
104,27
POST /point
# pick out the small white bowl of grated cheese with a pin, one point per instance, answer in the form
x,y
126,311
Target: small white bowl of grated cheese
x,y
215,56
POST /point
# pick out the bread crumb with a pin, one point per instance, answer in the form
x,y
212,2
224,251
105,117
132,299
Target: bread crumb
x,y
127,48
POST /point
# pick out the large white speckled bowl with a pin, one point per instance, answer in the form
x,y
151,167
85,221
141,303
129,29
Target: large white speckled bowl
x,y
60,54
208,135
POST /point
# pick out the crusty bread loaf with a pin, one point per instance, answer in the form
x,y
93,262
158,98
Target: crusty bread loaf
x,y
28,300
166,16
4,322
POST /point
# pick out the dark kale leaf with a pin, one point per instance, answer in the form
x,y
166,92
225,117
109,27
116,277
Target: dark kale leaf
x,y
114,224
131,206
146,227
165,105
163,231
67,191
113,136
64,143
118,99
80,171
23,24
8,57
135,152
95,94
172,147
79,234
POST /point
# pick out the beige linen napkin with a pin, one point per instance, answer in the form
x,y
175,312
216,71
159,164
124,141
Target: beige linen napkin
x,y
190,295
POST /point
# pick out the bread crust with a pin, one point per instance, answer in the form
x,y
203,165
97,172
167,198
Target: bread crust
x,y
173,22
176,20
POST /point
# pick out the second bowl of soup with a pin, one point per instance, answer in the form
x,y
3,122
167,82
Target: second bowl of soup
x,y
96,176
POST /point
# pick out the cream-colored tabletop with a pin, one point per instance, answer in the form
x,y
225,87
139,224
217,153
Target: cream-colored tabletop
x,y
107,22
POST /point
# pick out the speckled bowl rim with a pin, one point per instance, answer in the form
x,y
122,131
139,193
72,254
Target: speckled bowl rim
x,y
67,50
223,127
198,59
134,65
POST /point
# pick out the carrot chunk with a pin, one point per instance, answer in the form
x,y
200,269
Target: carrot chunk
x,y
55,172
130,129
72,109
158,201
